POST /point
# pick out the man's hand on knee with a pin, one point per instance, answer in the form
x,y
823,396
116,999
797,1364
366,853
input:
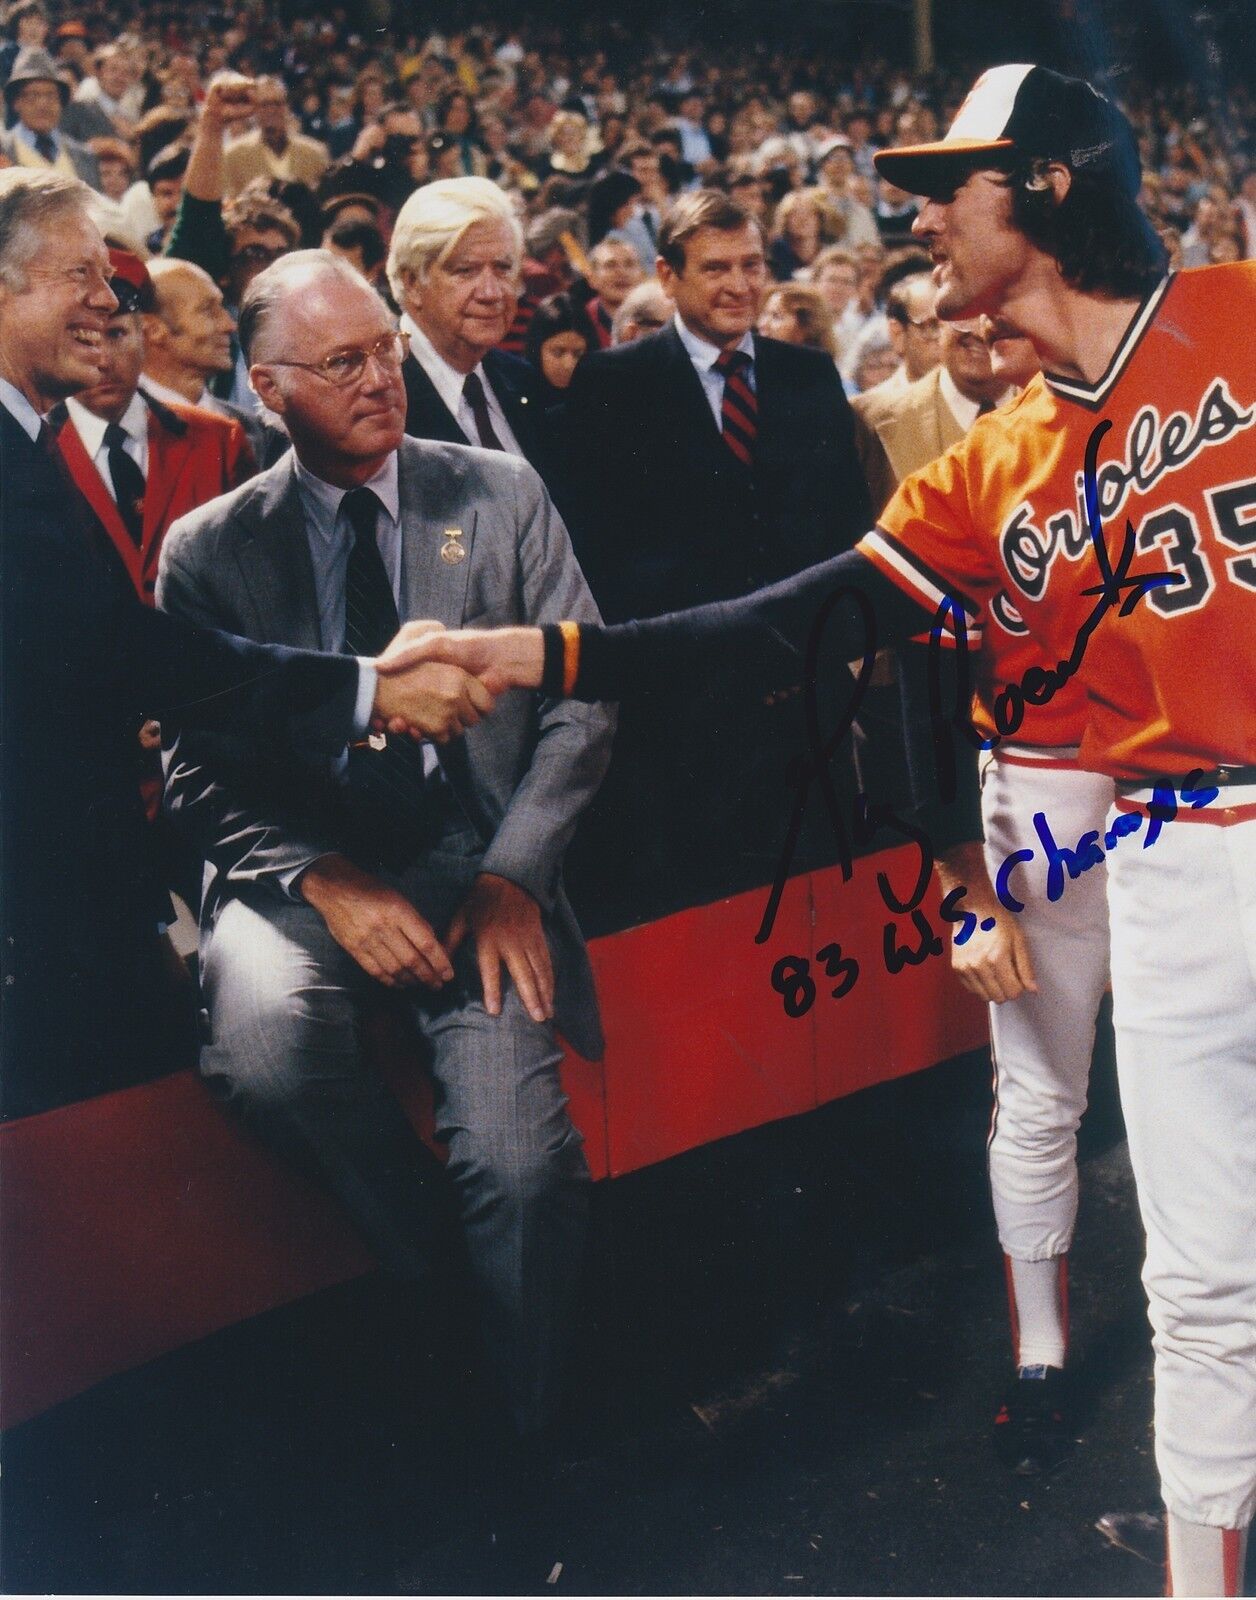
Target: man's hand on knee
x,y
378,926
505,922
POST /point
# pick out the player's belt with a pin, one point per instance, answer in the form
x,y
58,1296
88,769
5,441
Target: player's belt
x,y
1237,802
1219,777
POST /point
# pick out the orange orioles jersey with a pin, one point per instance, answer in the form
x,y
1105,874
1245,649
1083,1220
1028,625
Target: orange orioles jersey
x,y
1164,641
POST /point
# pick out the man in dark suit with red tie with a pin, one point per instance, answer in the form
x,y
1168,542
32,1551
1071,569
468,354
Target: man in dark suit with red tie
x,y
703,462
454,270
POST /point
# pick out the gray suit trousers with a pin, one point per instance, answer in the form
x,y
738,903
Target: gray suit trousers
x,y
285,1000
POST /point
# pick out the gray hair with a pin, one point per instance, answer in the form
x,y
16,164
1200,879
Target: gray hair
x,y
274,284
547,230
29,201
436,216
647,296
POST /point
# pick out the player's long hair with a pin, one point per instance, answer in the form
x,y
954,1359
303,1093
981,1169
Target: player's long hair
x,y
1103,242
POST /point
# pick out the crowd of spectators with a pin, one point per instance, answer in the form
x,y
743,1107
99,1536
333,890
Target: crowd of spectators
x,y
591,143
218,141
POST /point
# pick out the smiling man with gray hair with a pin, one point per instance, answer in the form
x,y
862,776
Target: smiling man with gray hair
x,y
454,270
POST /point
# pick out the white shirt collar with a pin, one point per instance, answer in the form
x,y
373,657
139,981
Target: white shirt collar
x,y
960,406
704,355
20,409
448,381
91,428
323,499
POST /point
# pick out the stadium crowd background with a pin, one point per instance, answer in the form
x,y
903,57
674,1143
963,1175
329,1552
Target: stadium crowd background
x,y
786,116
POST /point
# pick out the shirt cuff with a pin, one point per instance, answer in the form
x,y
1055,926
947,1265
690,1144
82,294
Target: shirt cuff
x,y
367,678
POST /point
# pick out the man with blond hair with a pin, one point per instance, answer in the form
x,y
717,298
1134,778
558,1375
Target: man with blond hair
x,y
454,270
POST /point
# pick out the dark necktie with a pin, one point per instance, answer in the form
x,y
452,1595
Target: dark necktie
x,y
473,394
739,413
387,787
46,146
128,483
985,408
370,610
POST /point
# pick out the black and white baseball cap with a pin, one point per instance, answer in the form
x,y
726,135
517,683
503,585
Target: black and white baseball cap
x,y
1018,111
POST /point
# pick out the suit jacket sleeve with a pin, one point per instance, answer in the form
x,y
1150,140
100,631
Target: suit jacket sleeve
x,y
573,741
241,807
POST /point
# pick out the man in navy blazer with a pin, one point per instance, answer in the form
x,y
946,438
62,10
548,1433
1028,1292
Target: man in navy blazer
x,y
454,270
667,511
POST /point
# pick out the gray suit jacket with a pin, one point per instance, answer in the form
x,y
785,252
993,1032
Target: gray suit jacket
x,y
523,776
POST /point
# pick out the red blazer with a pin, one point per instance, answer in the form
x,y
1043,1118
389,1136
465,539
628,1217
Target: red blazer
x,y
193,456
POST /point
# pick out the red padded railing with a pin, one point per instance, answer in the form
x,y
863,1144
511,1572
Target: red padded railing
x,y
139,1221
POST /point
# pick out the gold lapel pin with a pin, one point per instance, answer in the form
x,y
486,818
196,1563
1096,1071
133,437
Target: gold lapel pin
x,y
453,551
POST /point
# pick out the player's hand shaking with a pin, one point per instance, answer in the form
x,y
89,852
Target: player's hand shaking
x,y
503,658
427,697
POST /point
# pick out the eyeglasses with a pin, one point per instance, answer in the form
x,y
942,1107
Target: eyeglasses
x,y
256,255
344,367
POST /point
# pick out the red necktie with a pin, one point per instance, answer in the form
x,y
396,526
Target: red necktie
x,y
739,413
473,394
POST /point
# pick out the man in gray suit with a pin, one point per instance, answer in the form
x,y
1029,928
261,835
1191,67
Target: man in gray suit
x,y
400,868
36,98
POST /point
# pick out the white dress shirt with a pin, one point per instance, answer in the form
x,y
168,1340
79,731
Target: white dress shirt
x,y
704,356
448,382
959,405
91,430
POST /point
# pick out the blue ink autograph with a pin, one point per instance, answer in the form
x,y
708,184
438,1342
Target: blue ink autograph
x,y
1118,590
791,976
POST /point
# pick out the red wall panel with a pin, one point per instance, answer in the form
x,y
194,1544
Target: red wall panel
x,y
142,1220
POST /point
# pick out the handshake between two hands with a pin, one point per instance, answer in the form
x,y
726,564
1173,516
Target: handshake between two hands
x,y
435,684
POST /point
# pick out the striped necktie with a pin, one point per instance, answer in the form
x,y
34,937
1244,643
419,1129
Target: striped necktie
x,y
370,610
739,412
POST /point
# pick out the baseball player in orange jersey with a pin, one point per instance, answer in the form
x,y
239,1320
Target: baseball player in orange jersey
x,y
1115,500
1042,1039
